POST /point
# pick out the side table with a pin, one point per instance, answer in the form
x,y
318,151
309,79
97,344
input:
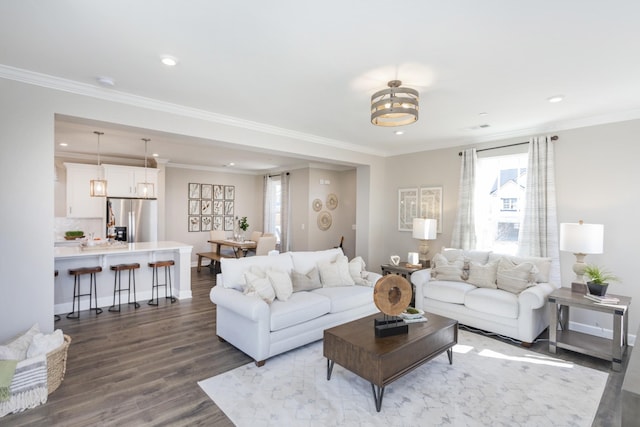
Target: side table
x,y
403,270
560,336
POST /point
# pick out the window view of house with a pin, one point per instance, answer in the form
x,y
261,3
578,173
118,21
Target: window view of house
x,y
500,191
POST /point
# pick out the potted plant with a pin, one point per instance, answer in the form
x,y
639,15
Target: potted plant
x,y
599,279
243,225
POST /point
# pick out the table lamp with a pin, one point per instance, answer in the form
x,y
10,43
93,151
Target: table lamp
x,y
424,230
581,239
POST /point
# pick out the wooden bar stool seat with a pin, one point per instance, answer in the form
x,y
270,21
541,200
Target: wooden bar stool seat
x,y
93,291
117,284
155,282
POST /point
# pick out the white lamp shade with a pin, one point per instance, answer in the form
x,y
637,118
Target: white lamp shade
x,y
581,238
424,229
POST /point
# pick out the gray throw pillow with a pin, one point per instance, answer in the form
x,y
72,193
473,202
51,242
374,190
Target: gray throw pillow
x,y
306,282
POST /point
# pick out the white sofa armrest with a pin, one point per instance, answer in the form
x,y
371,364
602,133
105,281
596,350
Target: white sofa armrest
x,y
535,297
373,277
251,307
421,277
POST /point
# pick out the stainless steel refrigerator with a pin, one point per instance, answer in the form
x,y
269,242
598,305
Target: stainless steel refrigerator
x,y
134,220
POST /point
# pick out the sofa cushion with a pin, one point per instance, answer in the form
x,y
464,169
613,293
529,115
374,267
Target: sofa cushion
x,y
304,261
335,273
483,275
445,269
233,268
543,265
453,292
514,277
493,301
306,282
260,286
345,298
281,283
299,308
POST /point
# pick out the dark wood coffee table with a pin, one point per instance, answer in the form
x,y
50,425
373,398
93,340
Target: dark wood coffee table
x,y
381,361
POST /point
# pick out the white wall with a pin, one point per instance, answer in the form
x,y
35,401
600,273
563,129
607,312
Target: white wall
x,y
596,174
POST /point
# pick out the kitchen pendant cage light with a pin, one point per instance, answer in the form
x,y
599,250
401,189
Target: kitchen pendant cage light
x,y
98,187
146,188
396,106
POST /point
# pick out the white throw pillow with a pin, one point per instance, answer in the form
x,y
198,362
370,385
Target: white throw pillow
x,y
513,277
335,273
17,348
260,287
483,275
357,271
281,283
447,270
43,344
306,282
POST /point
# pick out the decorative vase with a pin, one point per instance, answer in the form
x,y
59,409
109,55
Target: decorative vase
x,y
597,289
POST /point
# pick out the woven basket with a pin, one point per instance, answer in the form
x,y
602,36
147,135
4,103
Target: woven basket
x,y
57,365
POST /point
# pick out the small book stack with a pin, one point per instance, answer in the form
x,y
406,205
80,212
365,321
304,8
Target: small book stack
x,y
602,300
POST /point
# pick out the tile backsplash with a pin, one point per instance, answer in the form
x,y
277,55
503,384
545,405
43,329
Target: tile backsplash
x,y
88,225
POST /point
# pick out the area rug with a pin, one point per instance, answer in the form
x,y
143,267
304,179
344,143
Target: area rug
x,y
489,384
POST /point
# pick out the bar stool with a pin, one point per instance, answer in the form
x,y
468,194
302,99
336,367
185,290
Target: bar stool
x,y
167,281
117,284
93,291
55,316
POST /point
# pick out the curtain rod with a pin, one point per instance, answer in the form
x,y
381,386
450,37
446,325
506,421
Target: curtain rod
x,y
553,138
278,174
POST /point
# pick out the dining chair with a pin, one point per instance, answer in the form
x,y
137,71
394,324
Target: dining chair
x,y
265,244
255,235
220,235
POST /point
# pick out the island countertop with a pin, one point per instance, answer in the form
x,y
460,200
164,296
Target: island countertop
x,y
61,252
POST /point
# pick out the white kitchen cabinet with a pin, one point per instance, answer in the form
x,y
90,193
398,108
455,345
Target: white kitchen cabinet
x,y
122,181
79,203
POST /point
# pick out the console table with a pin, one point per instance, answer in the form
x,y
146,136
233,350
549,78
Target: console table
x,y
561,300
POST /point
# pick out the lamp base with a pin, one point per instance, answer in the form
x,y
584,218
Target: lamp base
x,y
579,288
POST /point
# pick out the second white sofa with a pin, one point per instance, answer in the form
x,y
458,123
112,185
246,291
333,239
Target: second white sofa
x,y
320,290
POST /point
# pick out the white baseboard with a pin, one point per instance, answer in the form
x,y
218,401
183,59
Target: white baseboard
x,y
597,331
106,302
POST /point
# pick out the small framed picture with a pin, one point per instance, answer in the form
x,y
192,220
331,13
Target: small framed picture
x,y
218,223
228,207
229,192
218,207
206,191
206,223
205,207
194,190
194,223
228,223
218,192
407,208
194,207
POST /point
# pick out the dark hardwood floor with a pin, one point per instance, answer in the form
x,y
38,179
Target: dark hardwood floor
x,y
140,367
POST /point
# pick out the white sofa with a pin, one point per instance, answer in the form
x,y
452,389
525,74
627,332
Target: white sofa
x,y
503,294
298,317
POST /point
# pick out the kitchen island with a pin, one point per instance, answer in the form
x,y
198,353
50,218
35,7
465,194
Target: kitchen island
x,y
106,256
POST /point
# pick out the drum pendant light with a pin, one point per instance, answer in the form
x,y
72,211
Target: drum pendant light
x,y
98,187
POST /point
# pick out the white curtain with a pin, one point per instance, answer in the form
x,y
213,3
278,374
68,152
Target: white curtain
x,y
270,208
539,229
464,230
266,198
284,212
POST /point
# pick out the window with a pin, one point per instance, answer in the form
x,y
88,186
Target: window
x,y
500,191
274,205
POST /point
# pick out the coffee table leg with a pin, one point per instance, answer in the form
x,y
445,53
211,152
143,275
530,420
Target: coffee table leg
x,y
450,354
378,392
329,369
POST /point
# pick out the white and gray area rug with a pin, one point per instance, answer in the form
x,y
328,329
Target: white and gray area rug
x,y
489,384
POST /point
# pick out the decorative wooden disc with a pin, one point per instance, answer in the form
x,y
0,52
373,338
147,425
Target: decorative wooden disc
x,y
392,294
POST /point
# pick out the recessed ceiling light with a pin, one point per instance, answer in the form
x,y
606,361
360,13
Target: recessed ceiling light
x,y
555,98
63,144
232,164
399,132
169,61
106,81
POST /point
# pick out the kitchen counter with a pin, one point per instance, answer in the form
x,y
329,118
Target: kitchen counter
x,y
67,257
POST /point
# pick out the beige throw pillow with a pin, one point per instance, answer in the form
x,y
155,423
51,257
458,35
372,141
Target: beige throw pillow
x,y
483,275
514,277
281,283
447,270
259,286
17,348
306,282
335,273
357,271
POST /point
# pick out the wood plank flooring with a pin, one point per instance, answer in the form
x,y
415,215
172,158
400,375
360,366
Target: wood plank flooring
x,y
140,367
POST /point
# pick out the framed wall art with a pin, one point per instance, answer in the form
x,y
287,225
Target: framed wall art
x,y
194,190
218,192
431,204
210,207
206,191
229,192
228,223
407,208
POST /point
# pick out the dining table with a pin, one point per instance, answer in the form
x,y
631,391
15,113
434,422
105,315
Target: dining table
x,y
239,248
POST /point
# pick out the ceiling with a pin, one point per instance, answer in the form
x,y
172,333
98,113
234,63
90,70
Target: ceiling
x,y
311,68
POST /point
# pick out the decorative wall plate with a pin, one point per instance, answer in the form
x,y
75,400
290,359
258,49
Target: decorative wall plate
x,y
324,220
392,294
332,201
317,205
